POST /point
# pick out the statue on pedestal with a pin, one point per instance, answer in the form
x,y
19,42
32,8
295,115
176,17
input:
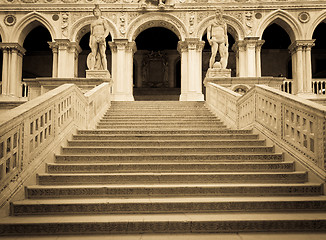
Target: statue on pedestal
x,y
218,39
96,60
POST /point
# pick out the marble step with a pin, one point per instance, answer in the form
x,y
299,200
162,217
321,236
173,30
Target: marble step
x,y
172,190
154,112
165,131
169,167
166,205
160,124
165,143
165,137
155,127
163,178
139,121
180,157
162,104
165,149
160,118
222,222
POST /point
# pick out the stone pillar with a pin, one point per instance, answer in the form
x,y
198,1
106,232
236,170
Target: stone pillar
x,y
301,66
191,69
122,69
73,52
12,69
54,48
248,57
240,48
259,44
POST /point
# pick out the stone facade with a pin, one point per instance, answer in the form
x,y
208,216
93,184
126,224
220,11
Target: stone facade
x,y
68,21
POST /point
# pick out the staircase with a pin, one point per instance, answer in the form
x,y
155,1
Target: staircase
x,y
167,167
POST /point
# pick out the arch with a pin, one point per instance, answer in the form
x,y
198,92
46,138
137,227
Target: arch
x,y
310,31
29,22
3,34
283,19
235,27
82,26
150,20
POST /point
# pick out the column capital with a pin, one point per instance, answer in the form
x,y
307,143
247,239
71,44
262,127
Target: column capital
x,y
298,45
62,44
123,44
191,44
12,46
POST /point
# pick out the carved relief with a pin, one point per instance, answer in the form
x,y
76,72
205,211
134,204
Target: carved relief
x,y
191,22
122,24
155,70
249,22
64,23
10,20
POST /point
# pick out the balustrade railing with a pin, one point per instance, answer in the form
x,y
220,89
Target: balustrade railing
x,y
30,130
319,86
287,86
294,123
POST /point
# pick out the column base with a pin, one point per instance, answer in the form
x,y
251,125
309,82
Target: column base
x,y
122,97
100,74
218,72
191,97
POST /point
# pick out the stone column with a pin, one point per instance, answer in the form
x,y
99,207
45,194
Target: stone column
x,y
259,44
191,69
63,64
54,48
73,52
12,69
301,66
122,68
240,48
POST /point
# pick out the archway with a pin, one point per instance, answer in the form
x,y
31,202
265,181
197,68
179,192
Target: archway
x,y
1,64
156,75
318,52
37,61
82,57
275,56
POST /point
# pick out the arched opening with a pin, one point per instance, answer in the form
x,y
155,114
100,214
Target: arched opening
x,y
156,75
1,64
82,58
275,56
38,58
318,52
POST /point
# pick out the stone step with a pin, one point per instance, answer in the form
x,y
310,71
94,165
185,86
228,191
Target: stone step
x,y
163,178
161,121
166,205
161,104
164,137
165,143
222,222
169,167
160,124
180,157
165,131
161,118
158,112
168,149
154,127
173,190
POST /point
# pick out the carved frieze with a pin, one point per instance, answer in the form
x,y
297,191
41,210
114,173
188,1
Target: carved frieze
x,y
64,23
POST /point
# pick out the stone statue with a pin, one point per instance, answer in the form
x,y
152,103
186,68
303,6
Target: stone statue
x,y
218,39
96,60
161,3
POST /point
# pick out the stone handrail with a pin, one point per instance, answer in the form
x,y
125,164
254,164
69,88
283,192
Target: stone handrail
x,y
293,123
30,133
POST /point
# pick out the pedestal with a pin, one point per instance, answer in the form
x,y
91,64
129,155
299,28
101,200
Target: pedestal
x,y
218,72
99,74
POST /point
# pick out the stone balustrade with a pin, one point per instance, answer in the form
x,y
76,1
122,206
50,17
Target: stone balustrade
x,y
287,86
31,132
293,123
319,86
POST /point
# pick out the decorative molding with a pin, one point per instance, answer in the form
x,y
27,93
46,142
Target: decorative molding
x,y
10,20
304,17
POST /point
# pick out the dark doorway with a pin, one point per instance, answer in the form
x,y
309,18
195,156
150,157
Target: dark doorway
x,y
156,60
